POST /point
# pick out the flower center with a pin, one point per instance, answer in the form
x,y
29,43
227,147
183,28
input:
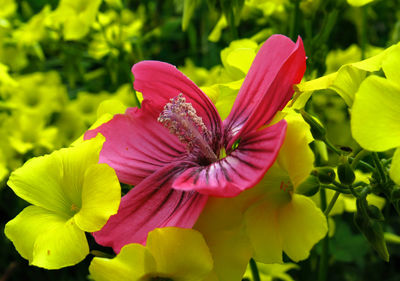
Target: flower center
x,y
182,121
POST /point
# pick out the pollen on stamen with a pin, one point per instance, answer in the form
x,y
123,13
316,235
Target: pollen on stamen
x,y
180,118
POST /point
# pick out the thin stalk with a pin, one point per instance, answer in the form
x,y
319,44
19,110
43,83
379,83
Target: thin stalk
x,y
332,147
364,164
379,167
323,262
338,184
332,203
338,189
360,155
254,270
308,28
328,26
295,19
353,192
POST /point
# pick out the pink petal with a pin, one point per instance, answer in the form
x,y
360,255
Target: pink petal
x,y
160,81
241,169
149,205
268,86
136,144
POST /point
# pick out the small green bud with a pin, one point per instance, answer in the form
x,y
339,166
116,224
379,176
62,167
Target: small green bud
x,y
326,175
346,173
375,213
317,130
308,187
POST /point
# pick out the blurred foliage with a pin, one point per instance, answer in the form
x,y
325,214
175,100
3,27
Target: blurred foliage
x,y
62,60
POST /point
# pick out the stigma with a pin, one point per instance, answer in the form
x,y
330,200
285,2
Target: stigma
x,y
180,118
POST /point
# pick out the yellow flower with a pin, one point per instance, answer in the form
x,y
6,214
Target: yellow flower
x,y
170,253
39,93
278,219
345,81
76,16
375,121
70,193
270,218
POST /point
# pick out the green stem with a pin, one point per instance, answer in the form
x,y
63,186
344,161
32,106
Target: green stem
x,y
231,22
308,28
379,167
364,165
323,262
328,26
332,203
365,191
360,155
338,184
332,147
294,24
338,189
254,270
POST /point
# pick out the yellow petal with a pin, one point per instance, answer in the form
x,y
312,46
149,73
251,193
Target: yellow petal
x,y
75,161
180,253
302,225
24,229
295,156
226,97
263,230
132,263
110,106
390,65
359,3
39,181
395,167
375,121
101,195
61,246
221,224
346,80
46,239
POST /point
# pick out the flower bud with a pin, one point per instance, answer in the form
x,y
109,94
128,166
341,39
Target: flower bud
x,y
375,213
326,175
317,130
374,233
372,230
308,187
346,173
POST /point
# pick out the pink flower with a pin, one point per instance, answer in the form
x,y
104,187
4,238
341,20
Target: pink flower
x,y
171,148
